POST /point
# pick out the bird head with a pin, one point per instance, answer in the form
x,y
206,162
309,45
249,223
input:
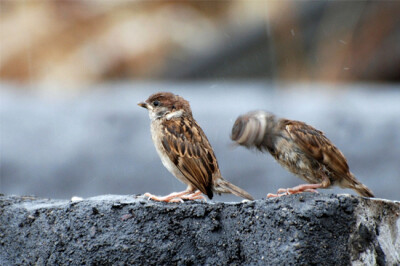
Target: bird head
x,y
249,129
166,104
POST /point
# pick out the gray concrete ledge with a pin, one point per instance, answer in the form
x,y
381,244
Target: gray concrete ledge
x,y
297,229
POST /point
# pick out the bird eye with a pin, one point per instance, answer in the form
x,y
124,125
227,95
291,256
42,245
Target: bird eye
x,y
156,103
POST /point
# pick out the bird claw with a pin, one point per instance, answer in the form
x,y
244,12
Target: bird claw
x,y
281,192
295,190
194,196
284,191
168,198
177,197
270,195
176,200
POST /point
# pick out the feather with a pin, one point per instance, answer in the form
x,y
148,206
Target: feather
x,y
194,156
314,143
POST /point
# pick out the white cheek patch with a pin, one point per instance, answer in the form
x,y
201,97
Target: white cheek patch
x,y
174,114
152,115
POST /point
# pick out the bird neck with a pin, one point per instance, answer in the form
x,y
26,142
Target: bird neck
x,y
271,133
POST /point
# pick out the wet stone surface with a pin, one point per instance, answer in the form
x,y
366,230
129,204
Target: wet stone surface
x,y
297,229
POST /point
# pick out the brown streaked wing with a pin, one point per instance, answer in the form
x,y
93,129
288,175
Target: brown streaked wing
x,y
314,143
187,146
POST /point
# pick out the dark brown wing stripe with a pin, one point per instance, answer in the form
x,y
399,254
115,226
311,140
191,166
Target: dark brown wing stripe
x,y
209,157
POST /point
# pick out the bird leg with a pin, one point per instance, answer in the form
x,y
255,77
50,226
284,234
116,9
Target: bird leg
x,y
177,196
173,197
300,189
296,190
194,196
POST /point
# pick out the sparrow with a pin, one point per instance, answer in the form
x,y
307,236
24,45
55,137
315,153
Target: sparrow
x,y
300,148
185,150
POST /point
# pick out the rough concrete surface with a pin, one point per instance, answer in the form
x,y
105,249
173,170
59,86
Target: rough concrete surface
x,y
299,229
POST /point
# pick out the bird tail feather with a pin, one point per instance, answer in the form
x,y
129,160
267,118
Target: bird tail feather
x,y
224,186
361,189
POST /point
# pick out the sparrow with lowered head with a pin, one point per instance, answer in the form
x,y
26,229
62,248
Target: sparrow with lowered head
x,y
184,150
300,148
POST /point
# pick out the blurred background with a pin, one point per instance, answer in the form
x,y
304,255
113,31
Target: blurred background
x,y
72,72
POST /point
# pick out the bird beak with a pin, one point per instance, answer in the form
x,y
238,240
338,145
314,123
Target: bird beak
x,y
143,104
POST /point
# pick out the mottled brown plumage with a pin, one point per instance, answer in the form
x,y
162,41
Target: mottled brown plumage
x,y
184,149
300,148
191,153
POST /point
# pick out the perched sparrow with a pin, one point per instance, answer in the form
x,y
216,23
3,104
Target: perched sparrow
x,y
300,148
184,149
